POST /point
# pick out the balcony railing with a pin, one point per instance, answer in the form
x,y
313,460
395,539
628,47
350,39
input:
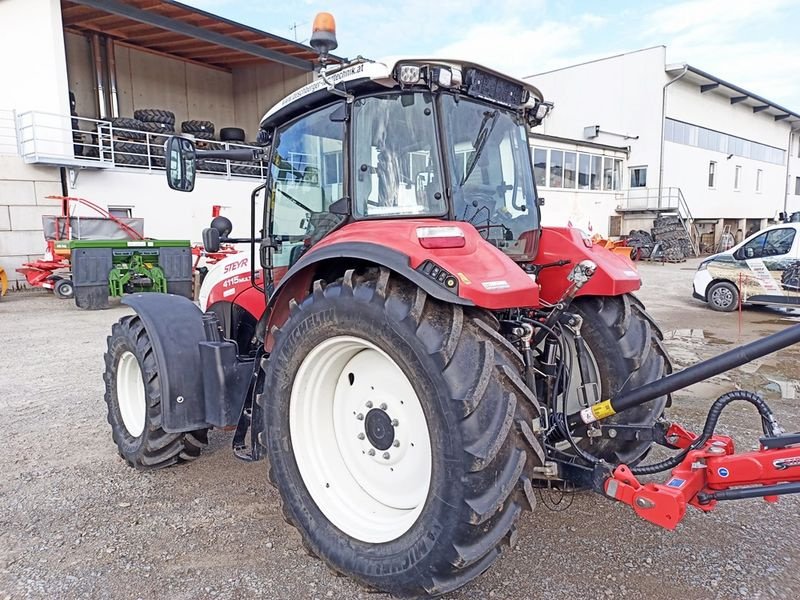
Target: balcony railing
x,y
48,138
648,199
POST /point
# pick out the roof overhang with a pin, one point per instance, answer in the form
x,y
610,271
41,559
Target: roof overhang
x,y
709,83
185,32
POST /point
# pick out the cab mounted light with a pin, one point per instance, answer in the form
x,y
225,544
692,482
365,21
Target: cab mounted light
x,y
323,35
433,238
409,74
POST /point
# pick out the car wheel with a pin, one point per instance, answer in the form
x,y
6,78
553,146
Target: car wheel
x,y
723,296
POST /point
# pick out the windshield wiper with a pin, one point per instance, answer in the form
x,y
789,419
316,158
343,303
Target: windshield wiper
x,y
484,131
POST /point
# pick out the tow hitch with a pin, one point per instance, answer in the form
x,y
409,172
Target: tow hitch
x,y
709,470
706,470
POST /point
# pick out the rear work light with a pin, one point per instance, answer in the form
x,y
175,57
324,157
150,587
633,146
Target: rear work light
x,y
441,237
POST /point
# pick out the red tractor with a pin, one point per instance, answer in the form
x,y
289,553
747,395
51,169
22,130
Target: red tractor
x,y
413,354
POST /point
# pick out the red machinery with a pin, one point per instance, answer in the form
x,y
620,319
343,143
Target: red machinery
x,y
52,271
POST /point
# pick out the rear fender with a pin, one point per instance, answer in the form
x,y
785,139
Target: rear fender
x,y
615,275
203,383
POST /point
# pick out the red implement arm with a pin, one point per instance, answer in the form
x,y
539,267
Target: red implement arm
x,y
709,474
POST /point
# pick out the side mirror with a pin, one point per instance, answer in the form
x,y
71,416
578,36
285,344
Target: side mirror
x,y
540,201
181,163
211,239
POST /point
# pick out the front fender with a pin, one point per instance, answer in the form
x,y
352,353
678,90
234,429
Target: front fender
x,y
175,327
615,274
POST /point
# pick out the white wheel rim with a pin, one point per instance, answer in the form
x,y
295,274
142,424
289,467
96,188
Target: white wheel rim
x,y
334,426
130,394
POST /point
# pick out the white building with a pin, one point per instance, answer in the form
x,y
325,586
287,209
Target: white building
x,y
116,57
721,156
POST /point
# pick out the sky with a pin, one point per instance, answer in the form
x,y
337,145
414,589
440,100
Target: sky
x,y
751,43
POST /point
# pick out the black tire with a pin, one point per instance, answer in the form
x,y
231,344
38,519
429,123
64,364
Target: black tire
x,y
155,115
200,135
790,278
132,129
64,290
129,153
194,126
153,448
723,296
165,128
479,416
627,347
232,134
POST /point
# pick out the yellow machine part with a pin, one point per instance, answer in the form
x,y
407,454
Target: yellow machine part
x,y
3,282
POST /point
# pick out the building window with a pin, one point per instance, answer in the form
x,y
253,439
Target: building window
x,y
556,168
638,177
797,186
121,212
583,171
708,139
712,174
540,166
597,172
570,170
737,177
759,173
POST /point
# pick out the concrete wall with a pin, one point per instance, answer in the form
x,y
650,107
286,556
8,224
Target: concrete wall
x,y
167,213
621,94
258,87
23,202
147,80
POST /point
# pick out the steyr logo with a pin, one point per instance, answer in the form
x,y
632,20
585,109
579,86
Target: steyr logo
x,y
234,266
785,463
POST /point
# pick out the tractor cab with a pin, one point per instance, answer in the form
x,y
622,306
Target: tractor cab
x,y
400,139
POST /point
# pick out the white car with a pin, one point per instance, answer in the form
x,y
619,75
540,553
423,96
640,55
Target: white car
x,y
763,269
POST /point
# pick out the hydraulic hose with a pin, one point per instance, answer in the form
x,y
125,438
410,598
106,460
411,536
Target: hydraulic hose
x,y
768,423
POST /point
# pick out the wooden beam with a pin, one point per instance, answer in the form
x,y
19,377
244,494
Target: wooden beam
x,y
144,16
758,109
708,87
737,99
174,57
782,117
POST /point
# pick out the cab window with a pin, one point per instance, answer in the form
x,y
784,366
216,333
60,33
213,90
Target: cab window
x,y
397,169
307,169
770,243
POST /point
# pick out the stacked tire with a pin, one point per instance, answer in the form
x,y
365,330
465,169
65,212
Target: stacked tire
x,y
127,138
201,130
642,241
673,237
790,278
157,121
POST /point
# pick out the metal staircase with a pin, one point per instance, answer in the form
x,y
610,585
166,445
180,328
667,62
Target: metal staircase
x,y
647,201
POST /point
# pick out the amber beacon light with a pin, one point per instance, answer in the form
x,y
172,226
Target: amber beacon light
x,y
323,35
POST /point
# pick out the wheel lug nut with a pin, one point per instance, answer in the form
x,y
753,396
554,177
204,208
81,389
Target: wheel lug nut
x,y
361,436
395,422
369,403
360,417
396,443
386,455
383,406
371,452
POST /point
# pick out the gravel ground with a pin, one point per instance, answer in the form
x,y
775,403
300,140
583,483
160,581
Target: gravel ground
x,y
75,522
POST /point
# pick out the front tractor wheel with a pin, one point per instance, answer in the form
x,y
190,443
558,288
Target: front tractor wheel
x,y
395,431
133,396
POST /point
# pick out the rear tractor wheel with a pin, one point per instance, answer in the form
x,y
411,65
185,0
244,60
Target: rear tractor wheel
x,y
625,351
396,434
133,396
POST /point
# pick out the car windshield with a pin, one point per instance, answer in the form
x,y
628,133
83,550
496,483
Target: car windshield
x,y
487,149
396,163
